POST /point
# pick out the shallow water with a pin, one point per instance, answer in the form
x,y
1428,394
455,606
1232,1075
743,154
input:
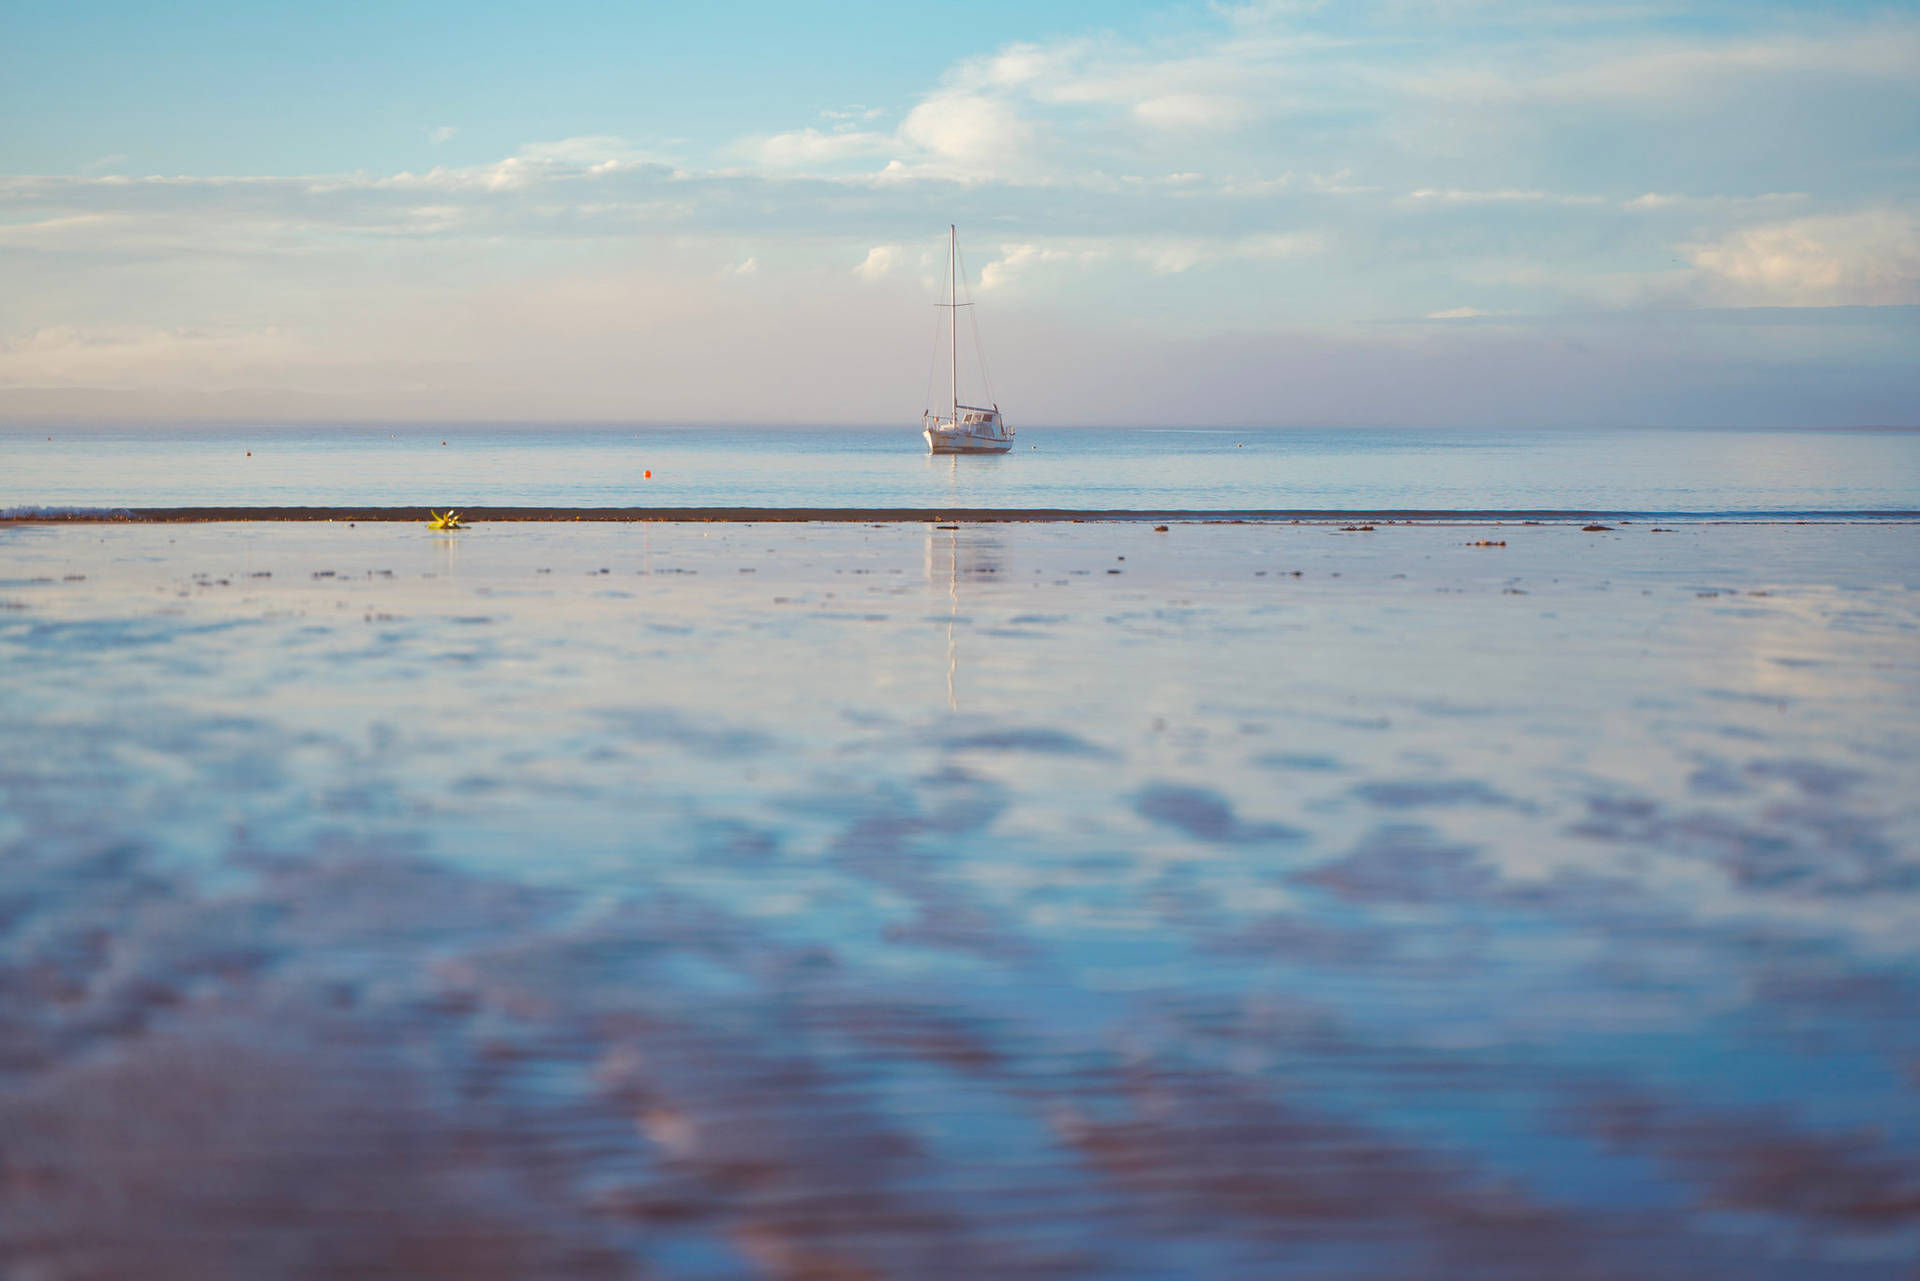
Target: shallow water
x,y
835,901
1201,470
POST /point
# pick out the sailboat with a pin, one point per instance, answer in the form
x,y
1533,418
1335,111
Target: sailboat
x,y
964,429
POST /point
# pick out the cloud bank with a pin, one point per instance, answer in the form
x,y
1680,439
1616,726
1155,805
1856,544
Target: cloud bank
x,y
1263,215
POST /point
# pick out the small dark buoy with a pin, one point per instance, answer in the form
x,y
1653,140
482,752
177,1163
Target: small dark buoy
x,y
1159,529
249,453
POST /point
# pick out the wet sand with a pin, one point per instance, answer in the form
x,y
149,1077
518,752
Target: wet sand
x,y
1013,900
908,515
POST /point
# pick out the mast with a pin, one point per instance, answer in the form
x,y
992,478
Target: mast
x,y
953,317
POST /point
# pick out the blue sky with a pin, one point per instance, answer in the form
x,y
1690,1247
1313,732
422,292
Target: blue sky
x,y
1463,212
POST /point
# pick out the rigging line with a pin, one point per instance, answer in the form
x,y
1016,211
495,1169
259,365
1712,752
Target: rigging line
x,y
973,321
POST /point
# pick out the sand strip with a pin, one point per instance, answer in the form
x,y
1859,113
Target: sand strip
x,y
971,515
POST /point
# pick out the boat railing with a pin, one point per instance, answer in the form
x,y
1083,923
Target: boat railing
x,y
968,414
971,416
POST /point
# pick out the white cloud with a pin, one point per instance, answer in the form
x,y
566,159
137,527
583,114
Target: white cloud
x,y
1262,12
850,114
972,133
530,165
442,133
1870,258
1652,67
881,262
589,151
1688,68
1464,313
1160,255
950,134
1020,65
803,147
1017,260
66,232
1192,111
1356,95
1339,184
1506,195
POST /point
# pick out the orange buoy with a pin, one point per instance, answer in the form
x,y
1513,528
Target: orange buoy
x,y
647,475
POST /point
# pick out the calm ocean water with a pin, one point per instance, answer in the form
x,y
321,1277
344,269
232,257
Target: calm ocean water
x,y
1198,469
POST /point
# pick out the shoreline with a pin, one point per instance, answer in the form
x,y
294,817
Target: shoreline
x,y
24,515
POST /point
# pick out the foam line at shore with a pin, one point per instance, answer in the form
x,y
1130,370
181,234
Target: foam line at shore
x,y
909,515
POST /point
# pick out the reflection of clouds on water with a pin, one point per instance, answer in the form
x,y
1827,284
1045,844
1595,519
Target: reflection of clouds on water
x,y
1205,815
1227,926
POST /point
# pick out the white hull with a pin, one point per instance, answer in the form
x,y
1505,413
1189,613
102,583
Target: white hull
x,y
961,442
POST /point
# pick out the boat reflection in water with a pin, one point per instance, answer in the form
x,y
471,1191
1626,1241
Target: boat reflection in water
x,y
953,556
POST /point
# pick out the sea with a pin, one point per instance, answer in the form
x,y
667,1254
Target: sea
x,y
1183,468
934,900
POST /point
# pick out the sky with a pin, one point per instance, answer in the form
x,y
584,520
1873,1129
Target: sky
x,y
1452,213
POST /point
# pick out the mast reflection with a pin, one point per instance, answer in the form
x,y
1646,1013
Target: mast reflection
x,y
956,558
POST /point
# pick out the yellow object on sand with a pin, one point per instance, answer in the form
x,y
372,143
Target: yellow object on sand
x,y
444,520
